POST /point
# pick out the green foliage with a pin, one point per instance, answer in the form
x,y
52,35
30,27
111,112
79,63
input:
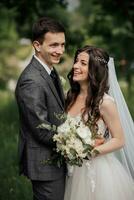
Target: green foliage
x,y
12,186
29,11
113,22
7,26
76,39
110,25
14,25
128,91
8,45
23,51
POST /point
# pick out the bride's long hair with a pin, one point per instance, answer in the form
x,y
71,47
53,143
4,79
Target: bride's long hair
x,y
97,85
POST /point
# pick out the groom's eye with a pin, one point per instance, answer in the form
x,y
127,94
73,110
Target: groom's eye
x,y
54,45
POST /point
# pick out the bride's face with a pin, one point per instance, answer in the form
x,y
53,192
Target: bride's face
x,y
81,68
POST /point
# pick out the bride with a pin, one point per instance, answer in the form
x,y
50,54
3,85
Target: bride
x,y
103,176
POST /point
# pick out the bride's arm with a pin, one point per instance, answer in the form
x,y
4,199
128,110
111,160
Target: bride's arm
x,y
110,115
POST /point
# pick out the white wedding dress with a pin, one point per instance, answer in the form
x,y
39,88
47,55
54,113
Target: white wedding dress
x,y
101,178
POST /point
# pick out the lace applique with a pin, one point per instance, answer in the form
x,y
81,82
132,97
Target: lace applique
x,y
101,127
91,174
70,170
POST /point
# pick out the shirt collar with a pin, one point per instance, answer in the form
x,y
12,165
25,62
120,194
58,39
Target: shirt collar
x,y
44,65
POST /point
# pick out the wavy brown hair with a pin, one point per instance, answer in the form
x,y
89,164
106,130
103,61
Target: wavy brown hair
x,y
98,82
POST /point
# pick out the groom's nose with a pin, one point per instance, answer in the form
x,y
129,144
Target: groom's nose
x,y
60,50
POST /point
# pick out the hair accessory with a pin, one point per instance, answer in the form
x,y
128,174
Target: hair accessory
x,y
101,60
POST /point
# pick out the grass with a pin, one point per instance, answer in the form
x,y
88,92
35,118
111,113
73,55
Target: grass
x,y
12,186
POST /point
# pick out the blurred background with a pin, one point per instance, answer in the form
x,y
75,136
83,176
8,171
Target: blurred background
x,y
107,24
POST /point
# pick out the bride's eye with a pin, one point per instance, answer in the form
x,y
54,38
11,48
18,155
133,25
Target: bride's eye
x,y
83,63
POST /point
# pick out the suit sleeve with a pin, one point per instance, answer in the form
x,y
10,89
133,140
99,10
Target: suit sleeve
x,y
32,103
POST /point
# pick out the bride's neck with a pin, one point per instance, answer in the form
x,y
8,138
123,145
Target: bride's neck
x,y
83,91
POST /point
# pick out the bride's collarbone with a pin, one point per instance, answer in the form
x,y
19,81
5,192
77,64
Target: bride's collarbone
x,y
77,108
75,112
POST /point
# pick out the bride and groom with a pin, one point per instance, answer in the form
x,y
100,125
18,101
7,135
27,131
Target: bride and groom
x,y
40,100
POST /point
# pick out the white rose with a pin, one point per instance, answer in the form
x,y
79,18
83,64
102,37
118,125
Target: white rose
x,y
78,145
73,123
83,132
88,140
64,128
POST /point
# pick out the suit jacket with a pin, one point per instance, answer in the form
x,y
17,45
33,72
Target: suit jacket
x,y
38,102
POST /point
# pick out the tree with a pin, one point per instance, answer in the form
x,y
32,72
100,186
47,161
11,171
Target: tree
x,y
28,11
16,19
111,22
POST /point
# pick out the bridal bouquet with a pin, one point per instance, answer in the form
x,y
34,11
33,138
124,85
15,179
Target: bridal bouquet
x,y
75,140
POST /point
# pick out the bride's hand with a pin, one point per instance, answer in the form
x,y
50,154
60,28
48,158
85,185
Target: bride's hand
x,y
99,141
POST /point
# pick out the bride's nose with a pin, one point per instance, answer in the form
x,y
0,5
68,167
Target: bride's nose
x,y
76,65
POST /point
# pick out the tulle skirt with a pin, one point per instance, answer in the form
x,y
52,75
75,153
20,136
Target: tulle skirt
x,y
102,178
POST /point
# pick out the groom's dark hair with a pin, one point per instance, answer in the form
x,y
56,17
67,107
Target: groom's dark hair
x,y
45,25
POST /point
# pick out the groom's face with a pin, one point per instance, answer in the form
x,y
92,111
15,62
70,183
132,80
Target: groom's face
x,y
52,48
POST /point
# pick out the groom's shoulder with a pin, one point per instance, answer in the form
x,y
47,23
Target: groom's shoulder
x,y
30,72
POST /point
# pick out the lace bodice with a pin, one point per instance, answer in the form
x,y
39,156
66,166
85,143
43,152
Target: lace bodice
x,y
101,125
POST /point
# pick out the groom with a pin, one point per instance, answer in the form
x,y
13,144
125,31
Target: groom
x,y
40,99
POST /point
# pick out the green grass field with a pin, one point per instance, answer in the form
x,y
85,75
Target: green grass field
x,y
12,186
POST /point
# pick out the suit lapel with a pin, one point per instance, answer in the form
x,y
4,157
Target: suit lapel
x,y
47,77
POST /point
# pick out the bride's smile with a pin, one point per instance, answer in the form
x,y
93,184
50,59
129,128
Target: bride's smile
x,y
81,68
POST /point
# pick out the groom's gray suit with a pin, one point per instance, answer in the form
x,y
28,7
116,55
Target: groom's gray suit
x,y
38,102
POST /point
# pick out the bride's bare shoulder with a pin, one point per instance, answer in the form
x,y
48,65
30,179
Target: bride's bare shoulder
x,y
108,97
107,104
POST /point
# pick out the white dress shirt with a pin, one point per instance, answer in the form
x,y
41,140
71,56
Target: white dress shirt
x,y
44,65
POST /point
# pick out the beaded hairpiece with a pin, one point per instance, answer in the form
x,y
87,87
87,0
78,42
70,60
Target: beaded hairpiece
x,y
101,60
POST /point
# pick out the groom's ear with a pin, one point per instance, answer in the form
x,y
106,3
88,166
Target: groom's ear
x,y
36,45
